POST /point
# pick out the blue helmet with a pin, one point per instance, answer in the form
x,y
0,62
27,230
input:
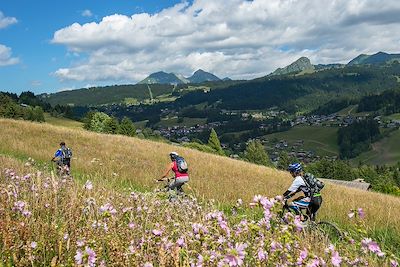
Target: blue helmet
x,y
295,167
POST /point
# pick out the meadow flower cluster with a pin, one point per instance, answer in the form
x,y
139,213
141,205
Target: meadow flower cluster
x,y
50,221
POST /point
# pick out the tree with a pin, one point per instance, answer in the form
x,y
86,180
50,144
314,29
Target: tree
x,y
38,114
99,121
111,125
256,153
126,127
87,120
214,142
284,161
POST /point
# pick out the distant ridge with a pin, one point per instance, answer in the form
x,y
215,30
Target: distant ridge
x,y
162,77
202,76
378,58
299,65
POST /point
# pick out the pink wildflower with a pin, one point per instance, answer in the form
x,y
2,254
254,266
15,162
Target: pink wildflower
x,y
88,185
91,260
361,213
180,242
33,244
131,225
298,223
157,232
262,255
394,263
336,259
303,255
148,264
79,257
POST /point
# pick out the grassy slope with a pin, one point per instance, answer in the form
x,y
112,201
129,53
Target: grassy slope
x,y
130,162
62,121
385,151
320,139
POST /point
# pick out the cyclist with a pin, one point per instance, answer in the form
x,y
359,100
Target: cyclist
x,y
311,202
63,156
179,167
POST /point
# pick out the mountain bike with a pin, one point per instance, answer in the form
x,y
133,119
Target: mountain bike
x,y
164,188
61,169
326,229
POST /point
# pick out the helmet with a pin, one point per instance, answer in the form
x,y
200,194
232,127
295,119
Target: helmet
x,y
295,167
173,155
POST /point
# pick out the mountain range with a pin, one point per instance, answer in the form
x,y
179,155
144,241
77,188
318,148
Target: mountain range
x,y
303,64
162,77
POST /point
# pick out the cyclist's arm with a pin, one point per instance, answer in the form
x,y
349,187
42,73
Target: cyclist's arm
x,y
294,188
169,167
58,154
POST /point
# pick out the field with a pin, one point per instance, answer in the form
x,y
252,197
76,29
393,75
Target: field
x,y
62,122
321,140
122,164
385,151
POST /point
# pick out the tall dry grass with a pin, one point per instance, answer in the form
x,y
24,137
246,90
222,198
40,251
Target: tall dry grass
x,y
121,162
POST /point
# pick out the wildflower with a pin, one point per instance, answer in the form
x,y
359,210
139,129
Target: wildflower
x,y
80,243
91,256
303,255
180,242
33,244
148,264
66,236
336,259
131,225
261,255
239,202
314,263
88,185
351,214
157,232
361,213
19,205
298,223
26,213
131,249
78,257
235,258
394,263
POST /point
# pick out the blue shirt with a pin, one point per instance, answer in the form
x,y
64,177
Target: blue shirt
x,y
59,153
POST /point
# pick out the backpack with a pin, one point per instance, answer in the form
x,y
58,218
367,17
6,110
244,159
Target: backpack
x,y
67,153
313,183
181,164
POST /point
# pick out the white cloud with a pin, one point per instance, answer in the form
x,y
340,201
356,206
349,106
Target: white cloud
x,y
237,38
6,57
6,21
87,13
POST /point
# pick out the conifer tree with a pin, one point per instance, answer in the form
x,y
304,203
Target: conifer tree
x,y
256,153
126,127
214,143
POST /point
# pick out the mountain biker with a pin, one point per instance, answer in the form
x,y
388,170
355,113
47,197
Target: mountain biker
x,y
63,156
180,175
311,202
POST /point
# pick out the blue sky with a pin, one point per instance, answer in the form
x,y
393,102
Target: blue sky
x,y
48,46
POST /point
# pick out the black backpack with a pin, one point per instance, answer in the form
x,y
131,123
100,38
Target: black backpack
x,y
67,153
313,183
181,164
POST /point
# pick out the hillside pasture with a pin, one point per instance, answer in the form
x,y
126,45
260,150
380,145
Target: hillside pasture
x,y
132,163
321,140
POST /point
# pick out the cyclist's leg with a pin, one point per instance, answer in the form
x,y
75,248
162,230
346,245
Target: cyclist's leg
x,y
315,205
178,183
300,204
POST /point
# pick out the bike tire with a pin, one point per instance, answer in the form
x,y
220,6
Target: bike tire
x,y
330,231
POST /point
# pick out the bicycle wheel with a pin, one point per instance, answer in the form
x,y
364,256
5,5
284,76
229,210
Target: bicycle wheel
x,y
330,231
